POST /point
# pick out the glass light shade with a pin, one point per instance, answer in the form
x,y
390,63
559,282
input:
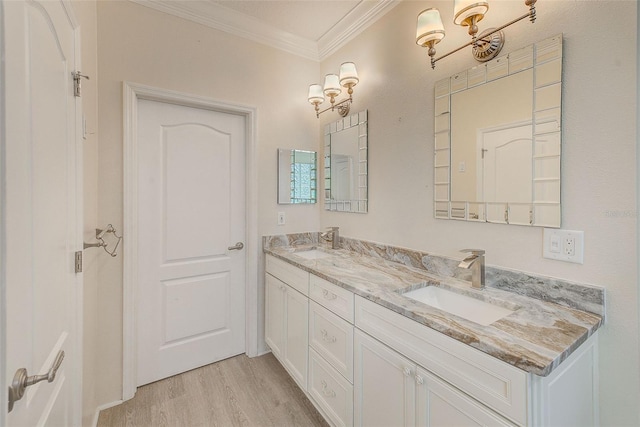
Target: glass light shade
x,y
348,74
315,94
429,27
463,9
332,85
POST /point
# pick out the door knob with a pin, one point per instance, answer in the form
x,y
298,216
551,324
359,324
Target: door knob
x,y
22,380
237,246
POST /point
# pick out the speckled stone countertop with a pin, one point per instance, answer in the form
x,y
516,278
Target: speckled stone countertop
x,y
536,337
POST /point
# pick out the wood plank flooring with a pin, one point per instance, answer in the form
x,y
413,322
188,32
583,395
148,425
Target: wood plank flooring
x,y
235,392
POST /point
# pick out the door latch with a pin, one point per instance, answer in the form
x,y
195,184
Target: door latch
x,y
77,86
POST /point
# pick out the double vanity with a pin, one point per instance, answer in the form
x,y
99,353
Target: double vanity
x,y
379,335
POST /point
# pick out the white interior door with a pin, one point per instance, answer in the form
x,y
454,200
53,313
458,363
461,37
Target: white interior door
x,y
191,212
41,224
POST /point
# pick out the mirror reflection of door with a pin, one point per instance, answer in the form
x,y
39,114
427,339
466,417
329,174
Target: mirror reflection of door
x,y
506,172
343,174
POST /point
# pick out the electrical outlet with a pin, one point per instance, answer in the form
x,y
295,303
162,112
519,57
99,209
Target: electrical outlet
x,y
281,218
564,245
569,246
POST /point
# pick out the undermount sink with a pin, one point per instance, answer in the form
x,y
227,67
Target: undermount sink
x,y
313,254
461,305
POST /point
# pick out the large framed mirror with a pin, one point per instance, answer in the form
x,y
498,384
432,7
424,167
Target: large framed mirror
x,y
345,164
297,176
498,139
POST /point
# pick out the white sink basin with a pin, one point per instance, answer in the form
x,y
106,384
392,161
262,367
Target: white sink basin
x,y
313,254
461,305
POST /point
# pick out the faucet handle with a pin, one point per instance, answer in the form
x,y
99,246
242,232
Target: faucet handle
x,y
477,252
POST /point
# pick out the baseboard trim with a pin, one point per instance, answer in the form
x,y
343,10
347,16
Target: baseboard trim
x,y
102,408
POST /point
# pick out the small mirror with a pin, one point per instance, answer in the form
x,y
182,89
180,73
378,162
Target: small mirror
x,y
498,139
345,164
297,182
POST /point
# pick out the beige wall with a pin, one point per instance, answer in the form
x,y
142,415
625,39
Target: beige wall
x,y
141,45
599,159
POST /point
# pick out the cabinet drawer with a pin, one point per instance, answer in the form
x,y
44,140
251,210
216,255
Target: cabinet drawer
x,y
333,297
330,390
487,379
292,276
332,338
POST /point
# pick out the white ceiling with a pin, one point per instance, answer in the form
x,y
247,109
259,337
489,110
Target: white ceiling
x,y
313,29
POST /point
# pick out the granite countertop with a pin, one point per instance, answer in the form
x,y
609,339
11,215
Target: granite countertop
x,y
536,337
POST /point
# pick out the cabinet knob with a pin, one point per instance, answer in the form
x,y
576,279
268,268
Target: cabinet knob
x,y
328,295
326,391
326,337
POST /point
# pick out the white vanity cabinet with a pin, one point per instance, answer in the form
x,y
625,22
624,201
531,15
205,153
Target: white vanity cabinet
x,y
287,317
455,384
365,365
392,390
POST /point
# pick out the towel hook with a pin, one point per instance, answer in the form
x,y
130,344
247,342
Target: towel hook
x,y
100,233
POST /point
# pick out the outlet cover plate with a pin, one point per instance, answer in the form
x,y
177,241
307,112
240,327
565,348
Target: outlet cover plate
x,y
557,245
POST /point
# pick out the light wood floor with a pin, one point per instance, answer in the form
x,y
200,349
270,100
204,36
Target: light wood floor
x,y
235,392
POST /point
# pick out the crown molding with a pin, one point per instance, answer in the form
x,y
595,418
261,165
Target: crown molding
x,y
236,23
355,22
230,21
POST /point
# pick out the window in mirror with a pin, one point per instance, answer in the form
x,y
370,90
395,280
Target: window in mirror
x,y
498,139
297,176
345,164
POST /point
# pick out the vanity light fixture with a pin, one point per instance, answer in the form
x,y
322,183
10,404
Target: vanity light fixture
x,y
332,88
467,13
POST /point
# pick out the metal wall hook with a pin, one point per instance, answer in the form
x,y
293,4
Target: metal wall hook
x,y
100,233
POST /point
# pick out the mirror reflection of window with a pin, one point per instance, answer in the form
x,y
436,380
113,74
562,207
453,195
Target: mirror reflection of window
x,y
303,176
297,176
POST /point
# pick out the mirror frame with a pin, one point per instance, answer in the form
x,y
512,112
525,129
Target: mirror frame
x,y
361,204
290,172
545,58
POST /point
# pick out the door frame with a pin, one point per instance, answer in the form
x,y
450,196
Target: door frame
x,y
132,92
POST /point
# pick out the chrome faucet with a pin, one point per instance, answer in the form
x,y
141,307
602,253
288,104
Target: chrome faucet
x,y
475,262
333,236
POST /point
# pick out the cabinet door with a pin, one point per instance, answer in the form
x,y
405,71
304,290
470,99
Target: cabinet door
x,y
274,315
384,385
441,405
296,335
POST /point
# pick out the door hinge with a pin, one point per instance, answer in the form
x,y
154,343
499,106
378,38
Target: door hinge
x,y
78,262
77,86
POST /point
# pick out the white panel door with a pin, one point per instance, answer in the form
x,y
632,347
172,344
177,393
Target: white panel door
x,y
384,390
41,224
191,210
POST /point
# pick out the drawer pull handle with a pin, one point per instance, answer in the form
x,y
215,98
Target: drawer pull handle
x,y
329,295
407,371
325,391
419,379
326,337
